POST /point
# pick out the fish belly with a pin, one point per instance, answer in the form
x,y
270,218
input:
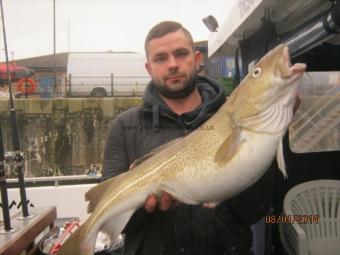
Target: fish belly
x,y
206,182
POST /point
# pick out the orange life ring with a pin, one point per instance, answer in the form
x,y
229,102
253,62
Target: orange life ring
x,y
31,85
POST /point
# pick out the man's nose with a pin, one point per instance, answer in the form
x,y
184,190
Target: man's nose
x,y
172,63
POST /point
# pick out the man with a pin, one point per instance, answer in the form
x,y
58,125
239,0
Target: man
x,y
177,101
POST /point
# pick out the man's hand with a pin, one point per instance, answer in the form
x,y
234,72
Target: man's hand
x,y
166,202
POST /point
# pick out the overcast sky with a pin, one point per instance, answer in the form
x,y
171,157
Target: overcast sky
x,y
99,25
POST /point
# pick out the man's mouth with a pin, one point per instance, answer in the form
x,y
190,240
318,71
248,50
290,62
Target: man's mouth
x,y
174,77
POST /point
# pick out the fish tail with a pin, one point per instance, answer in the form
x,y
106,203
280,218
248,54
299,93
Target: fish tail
x,y
79,243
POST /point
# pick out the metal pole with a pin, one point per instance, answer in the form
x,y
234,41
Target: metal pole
x,y
54,51
68,37
70,85
314,32
26,87
3,184
112,93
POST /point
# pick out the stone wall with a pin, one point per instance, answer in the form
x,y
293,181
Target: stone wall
x,y
61,136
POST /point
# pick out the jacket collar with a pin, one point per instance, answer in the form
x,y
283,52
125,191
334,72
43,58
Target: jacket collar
x,y
212,95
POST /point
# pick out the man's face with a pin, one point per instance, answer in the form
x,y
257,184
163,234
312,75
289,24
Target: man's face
x,y
172,64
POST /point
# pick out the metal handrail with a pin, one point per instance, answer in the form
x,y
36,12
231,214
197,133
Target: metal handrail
x,y
57,179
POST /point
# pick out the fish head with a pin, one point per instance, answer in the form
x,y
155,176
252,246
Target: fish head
x,y
273,82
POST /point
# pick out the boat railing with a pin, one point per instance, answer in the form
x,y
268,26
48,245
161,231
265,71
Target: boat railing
x,y
57,180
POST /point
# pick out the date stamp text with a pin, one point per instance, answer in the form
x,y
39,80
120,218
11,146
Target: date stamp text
x,y
291,219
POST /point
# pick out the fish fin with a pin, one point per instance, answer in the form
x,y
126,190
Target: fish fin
x,y
82,243
114,227
230,147
78,243
140,160
281,160
95,194
180,191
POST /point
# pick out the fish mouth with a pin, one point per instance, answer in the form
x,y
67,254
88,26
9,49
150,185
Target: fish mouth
x,y
292,70
291,73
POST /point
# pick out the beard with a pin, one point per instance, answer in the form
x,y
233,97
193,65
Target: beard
x,y
189,84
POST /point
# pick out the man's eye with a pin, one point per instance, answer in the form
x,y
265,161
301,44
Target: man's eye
x,y
182,53
159,59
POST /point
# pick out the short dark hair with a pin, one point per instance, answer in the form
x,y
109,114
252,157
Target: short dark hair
x,y
164,28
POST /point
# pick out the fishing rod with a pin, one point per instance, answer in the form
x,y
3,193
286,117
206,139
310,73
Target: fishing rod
x,y
3,185
19,156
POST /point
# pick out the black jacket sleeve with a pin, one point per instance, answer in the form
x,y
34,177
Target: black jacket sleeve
x,y
115,155
116,161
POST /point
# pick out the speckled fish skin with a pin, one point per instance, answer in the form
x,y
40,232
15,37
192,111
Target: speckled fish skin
x,y
227,154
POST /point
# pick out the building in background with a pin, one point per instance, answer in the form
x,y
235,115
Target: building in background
x,y
43,66
221,68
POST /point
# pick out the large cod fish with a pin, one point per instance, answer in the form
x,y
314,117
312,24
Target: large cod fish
x,y
209,165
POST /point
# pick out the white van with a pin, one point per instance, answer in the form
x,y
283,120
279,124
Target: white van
x,y
106,74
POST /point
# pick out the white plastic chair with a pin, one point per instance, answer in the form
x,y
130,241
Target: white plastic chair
x,y
313,210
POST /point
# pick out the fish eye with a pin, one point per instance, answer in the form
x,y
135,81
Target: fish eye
x,y
257,72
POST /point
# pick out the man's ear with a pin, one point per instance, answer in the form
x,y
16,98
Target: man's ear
x,y
148,67
198,58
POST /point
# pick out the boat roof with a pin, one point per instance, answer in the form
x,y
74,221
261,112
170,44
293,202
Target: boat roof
x,y
245,18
